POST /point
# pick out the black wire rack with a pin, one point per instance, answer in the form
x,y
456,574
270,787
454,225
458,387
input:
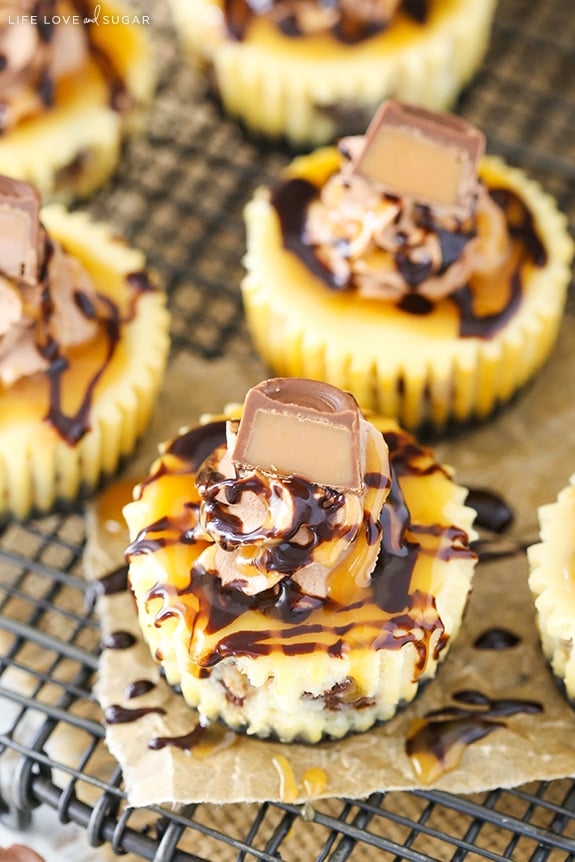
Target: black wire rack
x,y
179,196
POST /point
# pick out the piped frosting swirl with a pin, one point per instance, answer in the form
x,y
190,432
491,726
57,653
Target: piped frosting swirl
x,y
383,237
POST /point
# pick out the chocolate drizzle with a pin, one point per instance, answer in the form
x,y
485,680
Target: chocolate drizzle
x,y
492,510
292,198
435,744
118,640
392,610
117,714
349,29
496,639
138,688
112,583
74,425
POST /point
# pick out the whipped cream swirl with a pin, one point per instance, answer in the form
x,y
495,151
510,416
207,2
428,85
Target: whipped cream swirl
x,y
387,247
262,528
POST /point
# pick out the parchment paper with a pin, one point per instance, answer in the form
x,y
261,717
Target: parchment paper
x,y
526,453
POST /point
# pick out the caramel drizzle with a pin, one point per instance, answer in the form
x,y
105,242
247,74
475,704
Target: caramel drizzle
x,y
435,744
349,29
292,198
74,426
394,612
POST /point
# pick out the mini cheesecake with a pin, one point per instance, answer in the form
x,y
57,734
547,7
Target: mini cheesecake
x,y
299,571
309,71
552,579
408,268
75,80
83,344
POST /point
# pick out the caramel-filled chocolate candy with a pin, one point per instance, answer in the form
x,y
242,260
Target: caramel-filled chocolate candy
x,y
19,230
297,427
427,156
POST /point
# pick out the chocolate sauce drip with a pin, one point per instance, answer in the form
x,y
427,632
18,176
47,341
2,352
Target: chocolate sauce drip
x,y
140,281
496,639
414,303
85,305
72,428
118,640
138,688
521,223
492,510
451,244
436,744
292,198
414,272
114,582
349,29
194,446
116,714
488,550
184,742
487,325
417,9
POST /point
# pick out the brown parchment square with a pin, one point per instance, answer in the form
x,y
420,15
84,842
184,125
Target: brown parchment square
x,y
527,454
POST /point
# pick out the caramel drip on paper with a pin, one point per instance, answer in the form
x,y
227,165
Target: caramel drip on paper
x,y
436,743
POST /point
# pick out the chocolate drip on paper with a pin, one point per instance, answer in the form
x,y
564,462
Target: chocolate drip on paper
x,y
492,510
138,688
436,743
116,714
118,640
496,639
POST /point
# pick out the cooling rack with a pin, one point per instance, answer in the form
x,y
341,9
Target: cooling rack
x,y
179,196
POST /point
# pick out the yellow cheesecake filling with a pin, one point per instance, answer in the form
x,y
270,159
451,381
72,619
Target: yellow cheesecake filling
x,y
193,619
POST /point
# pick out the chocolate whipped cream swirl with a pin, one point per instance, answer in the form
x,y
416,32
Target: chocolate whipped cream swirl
x,y
348,21
389,247
264,525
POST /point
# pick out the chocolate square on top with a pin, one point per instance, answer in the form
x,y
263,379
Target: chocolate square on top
x,y
297,427
428,156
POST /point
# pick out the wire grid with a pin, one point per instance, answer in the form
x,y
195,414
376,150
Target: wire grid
x,y
179,196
